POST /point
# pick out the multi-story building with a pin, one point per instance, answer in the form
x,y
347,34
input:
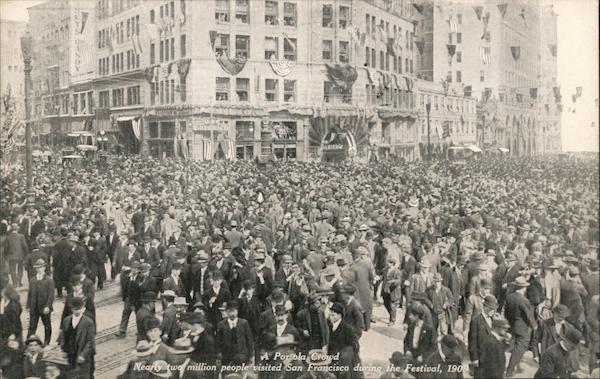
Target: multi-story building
x,y
492,50
62,70
11,61
310,79
452,118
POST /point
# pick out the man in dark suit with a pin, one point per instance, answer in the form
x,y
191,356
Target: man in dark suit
x,y
420,337
174,282
112,242
267,318
205,348
480,330
250,308
492,357
284,274
16,249
149,254
263,277
39,300
200,274
130,292
137,220
342,340
554,363
279,328
124,258
60,256
236,344
214,297
218,262
77,340
519,314
353,313
32,358
447,358
170,325
99,251
550,330
144,313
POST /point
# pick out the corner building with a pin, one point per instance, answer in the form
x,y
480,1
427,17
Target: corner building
x,y
504,54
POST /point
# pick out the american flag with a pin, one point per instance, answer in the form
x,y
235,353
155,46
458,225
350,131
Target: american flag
x,y
453,24
485,54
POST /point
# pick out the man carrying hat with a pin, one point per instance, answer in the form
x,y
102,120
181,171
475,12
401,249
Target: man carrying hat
x,y
40,297
519,314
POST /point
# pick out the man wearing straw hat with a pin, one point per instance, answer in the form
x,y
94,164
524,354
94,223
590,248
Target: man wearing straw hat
x,y
519,314
32,358
39,300
180,358
142,352
56,365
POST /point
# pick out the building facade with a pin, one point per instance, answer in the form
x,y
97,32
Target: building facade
x,y
498,52
452,118
11,73
308,80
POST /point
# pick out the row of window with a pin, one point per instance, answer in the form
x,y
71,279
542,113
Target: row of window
x,y
166,11
120,62
384,61
242,89
456,127
384,29
388,97
83,103
120,97
446,103
106,8
122,31
166,49
163,92
242,47
343,51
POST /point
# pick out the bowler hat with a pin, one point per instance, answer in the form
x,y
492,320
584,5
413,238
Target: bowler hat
x,y
76,303
231,305
39,263
143,349
148,296
561,310
337,308
280,310
450,342
151,323
490,302
34,338
437,277
349,289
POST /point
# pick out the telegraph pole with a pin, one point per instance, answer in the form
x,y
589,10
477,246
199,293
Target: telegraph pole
x,y
26,42
428,109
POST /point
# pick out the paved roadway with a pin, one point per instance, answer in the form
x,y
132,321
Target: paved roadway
x,y
112,354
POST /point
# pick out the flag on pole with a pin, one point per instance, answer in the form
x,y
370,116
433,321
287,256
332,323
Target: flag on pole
x,y
516,52
446,129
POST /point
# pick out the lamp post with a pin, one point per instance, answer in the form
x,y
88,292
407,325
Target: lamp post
x,y
26,42
428,110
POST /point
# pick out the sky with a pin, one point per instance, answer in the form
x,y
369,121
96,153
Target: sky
x,y
577,65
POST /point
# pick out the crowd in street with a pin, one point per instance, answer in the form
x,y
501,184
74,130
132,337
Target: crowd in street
x,y
226,264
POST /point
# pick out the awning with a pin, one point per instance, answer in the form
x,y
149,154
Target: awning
x,y
80,133
474,148
125,118
503,149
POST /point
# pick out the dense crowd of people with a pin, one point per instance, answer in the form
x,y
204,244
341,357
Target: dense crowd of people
x,y
225,264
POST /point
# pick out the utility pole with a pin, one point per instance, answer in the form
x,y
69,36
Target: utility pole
x,y
428,109
26,42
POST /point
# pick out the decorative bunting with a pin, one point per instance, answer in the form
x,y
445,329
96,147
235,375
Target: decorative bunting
x,y
446,129
552,48
478,12
453,24
486,20
342,76
516,52
183,67
502,8
485,52
577,94
486,36
418,7
282,67
231,66
533,92
487,94
420,45
390,47
409,83
523,16
451,50
445,86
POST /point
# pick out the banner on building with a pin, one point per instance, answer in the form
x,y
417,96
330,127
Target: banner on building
x,y
516,52
420,45
533,93
82,37
502,8
486,56
342,76
446,129
451,50
478,12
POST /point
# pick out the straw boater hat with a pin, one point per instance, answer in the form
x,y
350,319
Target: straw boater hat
x,y
56,357
39,263
520,282
285,340
160,369
182,346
